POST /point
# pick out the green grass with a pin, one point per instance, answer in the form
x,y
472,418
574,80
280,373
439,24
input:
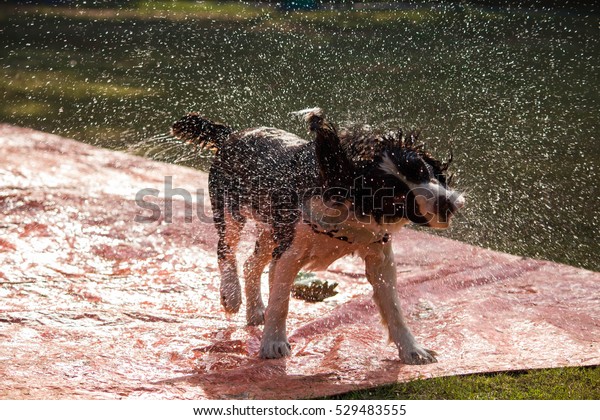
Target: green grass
x,y
150,10
210,9
575,383
234,11
350,19
68,86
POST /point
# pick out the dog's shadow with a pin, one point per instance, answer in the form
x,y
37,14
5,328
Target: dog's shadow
x,y
328,358
282,379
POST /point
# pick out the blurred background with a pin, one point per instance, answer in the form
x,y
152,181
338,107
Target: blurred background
x,y
511,86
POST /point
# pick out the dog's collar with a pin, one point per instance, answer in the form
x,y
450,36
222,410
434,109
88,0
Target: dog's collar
x,y
336,234
325,218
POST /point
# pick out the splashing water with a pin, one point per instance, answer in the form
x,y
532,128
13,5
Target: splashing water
x,y
513,90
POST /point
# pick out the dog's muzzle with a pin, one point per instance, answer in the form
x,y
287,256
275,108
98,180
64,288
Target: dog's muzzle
x,y
446,206
455,202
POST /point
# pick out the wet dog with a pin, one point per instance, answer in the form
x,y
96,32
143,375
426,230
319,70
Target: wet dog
x,y
314,202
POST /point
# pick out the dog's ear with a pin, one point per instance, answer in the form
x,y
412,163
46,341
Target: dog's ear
x,y
335,169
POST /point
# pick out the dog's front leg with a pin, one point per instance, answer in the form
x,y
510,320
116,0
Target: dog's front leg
x,y
253,268
282,272
381,273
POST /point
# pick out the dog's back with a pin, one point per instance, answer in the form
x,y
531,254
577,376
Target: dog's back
x,y
259,169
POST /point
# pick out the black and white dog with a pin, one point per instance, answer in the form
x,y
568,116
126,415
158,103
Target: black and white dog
x,y
314,202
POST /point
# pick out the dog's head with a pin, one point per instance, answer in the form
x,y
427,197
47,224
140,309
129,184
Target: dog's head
x,y
396,178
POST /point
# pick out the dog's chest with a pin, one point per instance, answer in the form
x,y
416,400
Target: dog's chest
x,y
339,221
328,233
319,251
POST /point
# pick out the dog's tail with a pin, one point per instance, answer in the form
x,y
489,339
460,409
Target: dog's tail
x,y
200,131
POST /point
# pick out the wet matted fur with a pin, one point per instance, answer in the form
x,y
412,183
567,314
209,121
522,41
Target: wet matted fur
x,y
314,202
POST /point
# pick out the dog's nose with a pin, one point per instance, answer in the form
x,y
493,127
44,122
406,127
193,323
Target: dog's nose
x,y
454,202
458,202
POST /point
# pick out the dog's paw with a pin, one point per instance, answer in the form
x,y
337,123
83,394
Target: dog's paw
x,y
275,349
417,355
255,316
231,297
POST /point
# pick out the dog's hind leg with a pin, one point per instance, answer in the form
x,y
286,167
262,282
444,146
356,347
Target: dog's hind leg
x,y
229,236
253,269
381,273
229,229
